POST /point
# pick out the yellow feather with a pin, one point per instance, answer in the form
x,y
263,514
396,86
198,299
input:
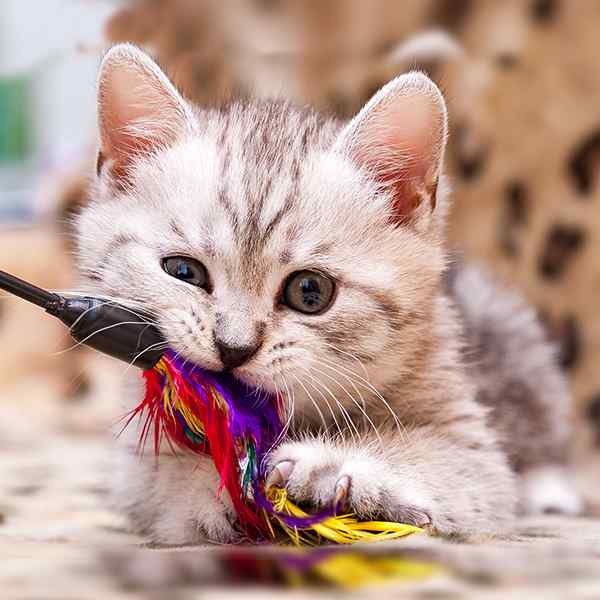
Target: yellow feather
x,y
354,570
342,529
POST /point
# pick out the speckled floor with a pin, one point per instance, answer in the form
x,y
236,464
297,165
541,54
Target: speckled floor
x,y
58,540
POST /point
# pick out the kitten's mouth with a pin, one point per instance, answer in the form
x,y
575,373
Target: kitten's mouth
x,y
248,374
235,375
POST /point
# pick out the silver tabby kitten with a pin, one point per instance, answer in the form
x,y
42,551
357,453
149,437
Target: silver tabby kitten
x,y
307,257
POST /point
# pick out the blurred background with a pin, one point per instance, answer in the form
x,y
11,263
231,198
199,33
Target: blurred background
x,y
522,80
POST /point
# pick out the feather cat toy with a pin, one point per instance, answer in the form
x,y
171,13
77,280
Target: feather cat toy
x,y
206,413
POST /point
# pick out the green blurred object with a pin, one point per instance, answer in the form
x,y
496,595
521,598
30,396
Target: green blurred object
x,y
15,118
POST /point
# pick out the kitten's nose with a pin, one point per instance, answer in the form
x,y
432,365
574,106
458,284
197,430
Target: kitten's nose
x,y
235,356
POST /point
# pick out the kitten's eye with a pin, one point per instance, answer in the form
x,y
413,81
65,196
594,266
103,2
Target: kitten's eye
x,y
308,292
187,269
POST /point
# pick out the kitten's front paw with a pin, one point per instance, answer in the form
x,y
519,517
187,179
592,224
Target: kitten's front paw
x,y
317,475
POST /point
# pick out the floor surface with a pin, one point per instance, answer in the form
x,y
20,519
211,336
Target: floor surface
x,y
58,540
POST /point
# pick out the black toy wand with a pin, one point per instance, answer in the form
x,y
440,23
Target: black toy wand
x,y
106,326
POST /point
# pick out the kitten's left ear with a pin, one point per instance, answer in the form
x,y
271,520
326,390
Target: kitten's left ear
x,y
399,138
139,109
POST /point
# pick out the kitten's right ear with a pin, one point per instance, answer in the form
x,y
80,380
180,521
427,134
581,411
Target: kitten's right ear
x,y
139,109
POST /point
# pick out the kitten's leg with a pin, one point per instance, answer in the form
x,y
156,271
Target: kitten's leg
x,y
173,499
422,478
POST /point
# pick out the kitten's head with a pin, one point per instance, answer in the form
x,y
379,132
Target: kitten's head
x,y
301,254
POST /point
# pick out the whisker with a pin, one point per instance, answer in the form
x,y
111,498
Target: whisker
x,y
88,310
354,401
326,402
91,335
313,401
128,303
370,386
292,406
352,356
288,422
291,402
352,427
154,346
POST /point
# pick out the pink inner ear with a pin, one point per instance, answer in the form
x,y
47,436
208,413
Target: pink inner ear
x,y
401,141
139,111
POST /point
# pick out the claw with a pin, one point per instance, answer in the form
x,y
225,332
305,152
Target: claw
x,y
280,474
422,520
342,489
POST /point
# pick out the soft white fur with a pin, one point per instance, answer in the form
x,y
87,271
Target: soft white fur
x,y
403,430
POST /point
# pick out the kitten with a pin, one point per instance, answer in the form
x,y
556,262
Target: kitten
x,y
307,256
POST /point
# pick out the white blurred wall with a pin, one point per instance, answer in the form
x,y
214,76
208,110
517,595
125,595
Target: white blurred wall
x,y
40,39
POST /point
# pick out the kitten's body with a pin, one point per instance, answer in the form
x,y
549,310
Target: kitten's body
x,y
388,415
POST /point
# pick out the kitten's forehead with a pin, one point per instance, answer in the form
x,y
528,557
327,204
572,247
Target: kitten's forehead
x,y
263,150
258,189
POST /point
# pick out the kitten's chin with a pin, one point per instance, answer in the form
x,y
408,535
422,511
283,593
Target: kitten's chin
x,y
253,380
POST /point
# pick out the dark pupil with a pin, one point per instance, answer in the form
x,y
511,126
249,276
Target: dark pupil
x,y
183,271
311,291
